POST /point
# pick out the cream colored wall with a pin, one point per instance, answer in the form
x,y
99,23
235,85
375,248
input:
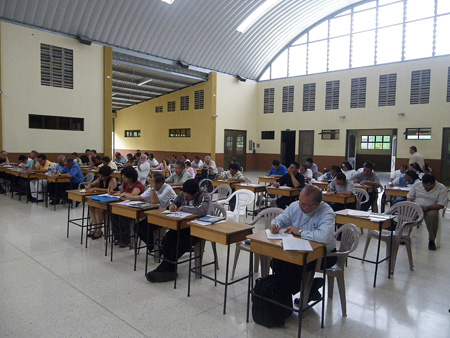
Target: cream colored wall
x,y
236,108
435,115
155,127
23,93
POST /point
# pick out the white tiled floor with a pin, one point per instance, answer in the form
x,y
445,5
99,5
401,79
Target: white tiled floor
x,y
51,286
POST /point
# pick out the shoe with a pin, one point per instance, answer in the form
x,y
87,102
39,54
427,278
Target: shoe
x,y
33,200
91,234
431,245
123,245
402,243
314,294
161,277
97,236
116,243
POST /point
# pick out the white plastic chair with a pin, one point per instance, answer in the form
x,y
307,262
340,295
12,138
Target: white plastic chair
x,y
222,191
244,198
408,215
268,215
361,197
88,178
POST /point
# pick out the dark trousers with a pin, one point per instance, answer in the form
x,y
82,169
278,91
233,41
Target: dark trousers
x,y
339,206
61,192
292,273
121,229
170,248
145,229
372,197
284,201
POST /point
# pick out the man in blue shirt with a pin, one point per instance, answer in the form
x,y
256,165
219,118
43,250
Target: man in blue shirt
x,y
277,169
71,169
313,220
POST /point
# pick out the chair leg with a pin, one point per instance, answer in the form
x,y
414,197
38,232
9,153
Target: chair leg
x,y
236,256
199,248
366,246
341,286
330,285
213,245
409,251
256,263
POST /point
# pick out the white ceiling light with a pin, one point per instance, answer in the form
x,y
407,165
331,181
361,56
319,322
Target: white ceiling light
x,y
144,82
168,1
257,13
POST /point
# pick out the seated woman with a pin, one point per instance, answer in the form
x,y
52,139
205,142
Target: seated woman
x,y
106,184
340,185
189,169
131,160
348,170
131,187
164,166
405,181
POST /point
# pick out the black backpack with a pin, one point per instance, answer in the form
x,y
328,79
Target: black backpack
x,y
266,313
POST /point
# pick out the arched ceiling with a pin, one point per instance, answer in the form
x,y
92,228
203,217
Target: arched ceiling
x,y
200,32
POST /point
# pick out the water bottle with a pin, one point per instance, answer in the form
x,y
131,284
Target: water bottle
x,y
49,170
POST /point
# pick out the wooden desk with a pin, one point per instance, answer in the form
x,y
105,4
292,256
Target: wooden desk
x,y
80,197
53,178
220,182
226,233
259,244
290,192
368,188
398,192
339,199
158,218
364,222
321,185
267,179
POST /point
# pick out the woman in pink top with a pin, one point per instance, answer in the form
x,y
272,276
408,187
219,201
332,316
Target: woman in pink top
x,y
189,169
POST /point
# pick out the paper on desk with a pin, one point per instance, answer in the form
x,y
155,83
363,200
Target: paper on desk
x,y
206,223
284,187
178,214
129,202
83,191
352,212
296,244
279,235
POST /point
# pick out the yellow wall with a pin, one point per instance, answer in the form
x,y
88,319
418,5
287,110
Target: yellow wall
x,y
155,127
23,93
435,115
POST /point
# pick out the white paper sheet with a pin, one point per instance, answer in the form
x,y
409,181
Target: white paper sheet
x,y
296,244
279,235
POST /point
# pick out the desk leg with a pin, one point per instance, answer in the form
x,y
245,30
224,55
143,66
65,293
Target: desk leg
x,y
226,280
323,287
107,230
82,222
378,254
176,259
190,267
136,226
390,255
302,296
112,235
250,283
146,249
68,217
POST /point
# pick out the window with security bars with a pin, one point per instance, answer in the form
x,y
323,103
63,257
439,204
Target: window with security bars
x,y
180,132
288,99
269,96
55,122
448,85
132,133
171,106
330,134
332,95
375,142
387,90
56,66
158,109
420,86
199,99
358,93
309,97
184,103
418,133
267,135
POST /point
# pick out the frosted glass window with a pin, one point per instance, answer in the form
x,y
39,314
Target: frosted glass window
x,y
279,66
297,60
345,13
302,39
339,53
443,6
389,48
385,2
390,15
365,6
319,32
442,38
364,20
419,39
363,49
417,9
317,58
340,26
266,75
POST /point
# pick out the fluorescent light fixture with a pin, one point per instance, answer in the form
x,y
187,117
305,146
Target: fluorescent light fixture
x,y
144,82
168,1
256,15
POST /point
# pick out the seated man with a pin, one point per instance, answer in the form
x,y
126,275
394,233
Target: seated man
x,y
292,179
179,175
143,169
107,161
340,185
76,159
193,200
119,158
399,173
59,163
198,163
233,174
37,186
368,177
211,166
311,165
152,160
306,172
4,160
85,158
72,170
432,197
32,160
277,170
313,220
328,176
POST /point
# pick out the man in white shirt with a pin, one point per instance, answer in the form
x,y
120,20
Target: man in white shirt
x,y
432,196
210,165
152,160
399,173
416,157
107,161
198,163
306,172
143,169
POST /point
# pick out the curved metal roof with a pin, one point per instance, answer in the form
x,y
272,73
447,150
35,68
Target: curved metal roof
x,y
200,32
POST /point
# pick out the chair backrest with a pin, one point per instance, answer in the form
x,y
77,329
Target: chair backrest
x,y
223,191
408,214
268,215
219,170
361,197
247,180
218,210
88,178
206,184
349,242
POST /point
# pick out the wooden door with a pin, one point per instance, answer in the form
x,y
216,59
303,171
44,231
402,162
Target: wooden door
x,y
445,158
306,145
287,147
235,147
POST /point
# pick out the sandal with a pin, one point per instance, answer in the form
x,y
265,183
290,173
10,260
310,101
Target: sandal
x,y
91,234
97,235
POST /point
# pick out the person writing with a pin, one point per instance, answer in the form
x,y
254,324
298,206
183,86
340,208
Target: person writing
x,y
292,179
